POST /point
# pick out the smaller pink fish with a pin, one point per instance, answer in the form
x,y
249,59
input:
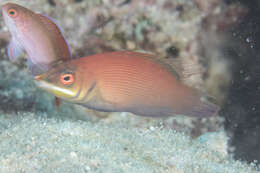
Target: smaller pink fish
x,y
35,34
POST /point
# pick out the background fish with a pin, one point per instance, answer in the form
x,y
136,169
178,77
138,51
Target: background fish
x,y
37,34
124,82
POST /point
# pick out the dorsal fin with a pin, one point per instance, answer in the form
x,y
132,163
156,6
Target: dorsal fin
x,y
158,61
182,69
54,29
187,68
52,26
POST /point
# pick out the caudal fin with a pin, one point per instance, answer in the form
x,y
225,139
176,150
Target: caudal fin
x,y
204,109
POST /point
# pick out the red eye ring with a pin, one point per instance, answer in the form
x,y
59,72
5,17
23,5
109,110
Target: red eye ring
x,y
67,79
12,12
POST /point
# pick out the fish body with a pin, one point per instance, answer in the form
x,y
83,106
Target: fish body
x,y
124,82
35,34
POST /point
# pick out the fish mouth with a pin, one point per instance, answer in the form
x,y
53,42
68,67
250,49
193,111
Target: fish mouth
x,y
38,77
42,84
56,90
38,80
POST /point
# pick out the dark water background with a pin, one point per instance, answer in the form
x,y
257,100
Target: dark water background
x,y
242,108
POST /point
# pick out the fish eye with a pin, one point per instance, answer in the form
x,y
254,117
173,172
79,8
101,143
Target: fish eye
x,y
12,12
67,78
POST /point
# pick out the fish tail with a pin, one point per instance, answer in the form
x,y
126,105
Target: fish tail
x,y
203,109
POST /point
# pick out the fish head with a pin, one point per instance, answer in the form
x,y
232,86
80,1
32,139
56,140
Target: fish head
x,y
64,80
16,17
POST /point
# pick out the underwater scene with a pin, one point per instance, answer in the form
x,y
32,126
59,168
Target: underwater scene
x,y
129,86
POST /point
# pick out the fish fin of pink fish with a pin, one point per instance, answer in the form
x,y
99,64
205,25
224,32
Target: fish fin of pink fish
x,y
98,114
186,68
152,57
14,50
199,110
36,69
154,112
54,27
191,68
203,109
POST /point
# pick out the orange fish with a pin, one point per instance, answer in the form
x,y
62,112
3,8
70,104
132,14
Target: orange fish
x,y
124,82
37,35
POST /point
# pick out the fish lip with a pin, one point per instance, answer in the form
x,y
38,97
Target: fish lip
x,y
52,88
41,84
38,77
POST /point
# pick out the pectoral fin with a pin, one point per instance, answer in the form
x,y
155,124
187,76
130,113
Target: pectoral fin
x,y
14,50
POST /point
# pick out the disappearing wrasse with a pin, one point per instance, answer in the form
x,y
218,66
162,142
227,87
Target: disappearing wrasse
x,y
37,34
124,82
